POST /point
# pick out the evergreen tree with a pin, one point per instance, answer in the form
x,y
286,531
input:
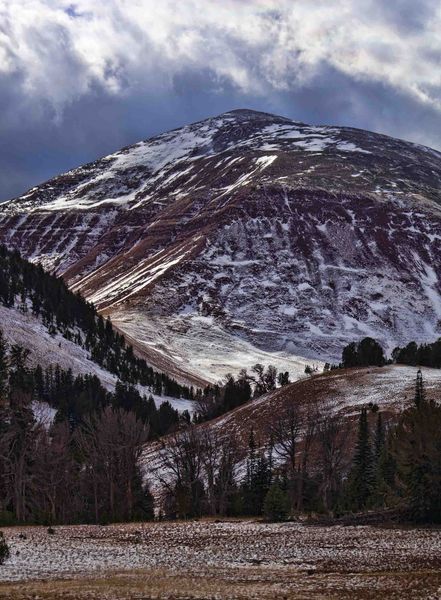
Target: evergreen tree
x,y
360,477
283,378
383,467
276,504
3,369
367,352
416,446
384,483
419,390
379,438
427,355
257,479
350,355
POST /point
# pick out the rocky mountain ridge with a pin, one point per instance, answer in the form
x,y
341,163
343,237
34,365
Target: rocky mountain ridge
x,y
247,237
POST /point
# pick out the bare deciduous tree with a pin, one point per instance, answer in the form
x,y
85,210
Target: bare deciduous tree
x,y
111,444
182,462
220,459
332,439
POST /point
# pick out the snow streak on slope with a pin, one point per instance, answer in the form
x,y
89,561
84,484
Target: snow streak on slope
x,y
202,347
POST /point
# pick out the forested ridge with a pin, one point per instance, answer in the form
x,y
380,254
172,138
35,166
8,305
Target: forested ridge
x,y
28,287
312,459
80,463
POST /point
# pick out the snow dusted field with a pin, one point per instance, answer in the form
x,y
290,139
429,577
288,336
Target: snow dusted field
x,y
236,559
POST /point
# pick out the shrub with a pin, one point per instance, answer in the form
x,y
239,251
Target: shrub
x,y
4,549
276,504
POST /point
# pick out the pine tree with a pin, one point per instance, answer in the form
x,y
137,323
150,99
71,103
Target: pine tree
x,y
3,369
257,479
419,390
39,387
367,352
416,445
276,504
360,478
379,438
383,467
383,494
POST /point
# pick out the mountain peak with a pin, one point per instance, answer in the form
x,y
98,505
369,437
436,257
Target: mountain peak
x,y
251,114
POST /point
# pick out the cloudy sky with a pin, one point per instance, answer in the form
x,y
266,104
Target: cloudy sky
x,y
80,79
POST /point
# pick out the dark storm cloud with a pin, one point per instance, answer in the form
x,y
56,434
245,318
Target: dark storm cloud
x,y
80,79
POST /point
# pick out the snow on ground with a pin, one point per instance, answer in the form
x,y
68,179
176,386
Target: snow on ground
x,y
392,386
28,331
174,150
155,155
180,404
301,280
202,347
282,560
43,413
139,276
344,391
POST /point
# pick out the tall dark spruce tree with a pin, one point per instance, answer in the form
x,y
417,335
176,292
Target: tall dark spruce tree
x,y
416,445
383,468
257,479
3,369
419,390
360,481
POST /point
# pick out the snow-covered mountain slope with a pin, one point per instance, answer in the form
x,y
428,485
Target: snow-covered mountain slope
x,y
45,349
247,237
28,331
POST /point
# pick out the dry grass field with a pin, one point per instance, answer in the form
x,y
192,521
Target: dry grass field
x,y
220,560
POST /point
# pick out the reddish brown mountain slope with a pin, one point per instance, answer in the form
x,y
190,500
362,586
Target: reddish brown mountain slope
x,y
247,237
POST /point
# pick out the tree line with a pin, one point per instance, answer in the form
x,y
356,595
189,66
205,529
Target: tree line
x,y
425,355
368,352
82,465
216,400
75,465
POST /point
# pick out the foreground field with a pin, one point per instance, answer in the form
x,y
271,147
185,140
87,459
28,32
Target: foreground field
x,y
238,559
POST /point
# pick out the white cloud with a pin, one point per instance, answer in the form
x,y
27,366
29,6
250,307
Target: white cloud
x,y
61,50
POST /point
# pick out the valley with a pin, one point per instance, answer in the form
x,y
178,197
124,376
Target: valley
x,y
201,337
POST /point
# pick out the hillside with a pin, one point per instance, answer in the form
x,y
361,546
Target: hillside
x,y
58,328
391,388
246,237
344,392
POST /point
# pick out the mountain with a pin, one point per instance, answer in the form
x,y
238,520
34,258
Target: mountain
x,y
246,237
